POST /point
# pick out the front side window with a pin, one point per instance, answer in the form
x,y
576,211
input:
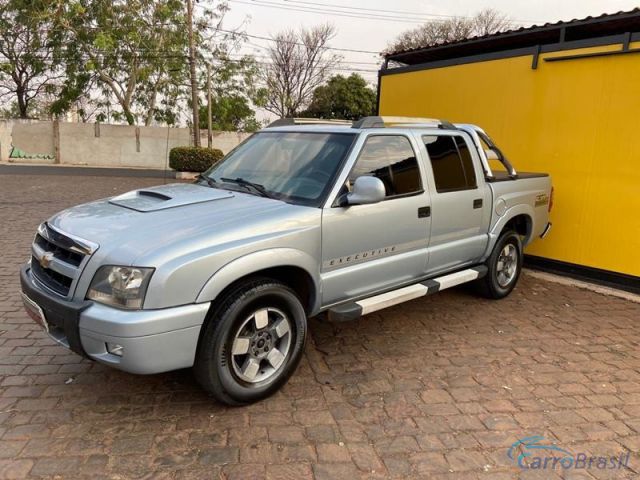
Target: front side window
x,y
298,167
451,162
392,159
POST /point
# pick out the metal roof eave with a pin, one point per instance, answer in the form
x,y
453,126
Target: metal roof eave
x,y
590,27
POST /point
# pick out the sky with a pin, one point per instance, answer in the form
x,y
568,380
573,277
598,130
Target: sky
x,y
263,18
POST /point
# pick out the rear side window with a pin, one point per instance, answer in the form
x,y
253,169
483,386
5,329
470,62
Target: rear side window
x,y
451,162
392,159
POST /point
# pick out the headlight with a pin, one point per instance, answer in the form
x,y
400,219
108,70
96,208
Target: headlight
x,y
123,287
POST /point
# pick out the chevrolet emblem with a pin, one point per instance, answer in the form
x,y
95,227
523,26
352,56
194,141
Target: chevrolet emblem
x,y
45,261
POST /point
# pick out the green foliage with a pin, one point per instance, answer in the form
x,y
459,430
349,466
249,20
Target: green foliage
x,y
231,113
233,92
121,60
342,97
194,159
132,51
28,54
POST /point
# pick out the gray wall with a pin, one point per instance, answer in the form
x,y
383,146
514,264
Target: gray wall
x,y
6,131
102,145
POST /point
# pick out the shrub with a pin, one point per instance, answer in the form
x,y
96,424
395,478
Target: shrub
x,y
193,159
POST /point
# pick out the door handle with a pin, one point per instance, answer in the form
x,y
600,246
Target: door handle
x,y
477,203
424,212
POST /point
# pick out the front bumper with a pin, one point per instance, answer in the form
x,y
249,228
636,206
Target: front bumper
x,y
152,341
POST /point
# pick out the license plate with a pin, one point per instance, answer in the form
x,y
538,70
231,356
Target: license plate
x,y
35,312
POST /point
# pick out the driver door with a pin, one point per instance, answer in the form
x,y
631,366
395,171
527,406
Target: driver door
x,y
370,248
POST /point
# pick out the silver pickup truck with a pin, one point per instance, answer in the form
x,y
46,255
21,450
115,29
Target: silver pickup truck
x,y
303,218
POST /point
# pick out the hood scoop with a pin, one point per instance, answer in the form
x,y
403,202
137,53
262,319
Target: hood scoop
x,y
151,193
168,196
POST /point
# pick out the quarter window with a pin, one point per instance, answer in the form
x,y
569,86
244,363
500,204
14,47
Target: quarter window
x,y
451,162
392,159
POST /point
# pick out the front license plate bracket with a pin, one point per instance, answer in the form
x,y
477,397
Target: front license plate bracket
x,y
35,312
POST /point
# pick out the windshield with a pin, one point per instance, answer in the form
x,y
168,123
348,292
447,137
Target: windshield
x,y
293,166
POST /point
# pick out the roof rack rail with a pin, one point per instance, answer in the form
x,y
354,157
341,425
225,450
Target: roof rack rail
x,y
386,122
283,122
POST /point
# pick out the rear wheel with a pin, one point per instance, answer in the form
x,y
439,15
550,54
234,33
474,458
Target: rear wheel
x,y
252,343
504,266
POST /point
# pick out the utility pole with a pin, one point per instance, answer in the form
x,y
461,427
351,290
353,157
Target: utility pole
x,y
194,79
209,134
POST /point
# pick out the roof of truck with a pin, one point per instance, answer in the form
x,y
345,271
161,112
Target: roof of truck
x,y
365,123
320,128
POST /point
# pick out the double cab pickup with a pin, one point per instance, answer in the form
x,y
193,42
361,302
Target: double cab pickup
x,y
305,217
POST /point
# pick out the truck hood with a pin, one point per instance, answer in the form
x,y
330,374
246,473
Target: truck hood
x,y
129,226
168,196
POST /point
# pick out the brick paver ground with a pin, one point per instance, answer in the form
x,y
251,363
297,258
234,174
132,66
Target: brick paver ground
x,y
436,388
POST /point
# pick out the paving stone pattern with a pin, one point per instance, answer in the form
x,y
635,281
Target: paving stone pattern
x,y
436,388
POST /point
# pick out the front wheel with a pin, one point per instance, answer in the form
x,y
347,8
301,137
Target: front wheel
x,y
504,266
252,343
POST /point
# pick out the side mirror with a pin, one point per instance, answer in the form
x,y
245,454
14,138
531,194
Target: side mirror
x,y
366,190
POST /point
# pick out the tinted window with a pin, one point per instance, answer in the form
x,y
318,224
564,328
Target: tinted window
x,y
467,163
294,166
451,162
392,160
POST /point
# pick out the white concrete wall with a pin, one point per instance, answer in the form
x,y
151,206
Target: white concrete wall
x,y
107,145
42,140
225,141
118,145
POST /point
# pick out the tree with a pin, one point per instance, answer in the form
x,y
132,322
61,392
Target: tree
x,y
231,113
132,58
133,48
299,63
233,93
27,54
490,21
486,22
348,98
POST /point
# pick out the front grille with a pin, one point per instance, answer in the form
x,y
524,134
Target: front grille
x,y
51,279
58,259
60,253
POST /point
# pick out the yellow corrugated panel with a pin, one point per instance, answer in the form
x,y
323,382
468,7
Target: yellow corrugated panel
x,y
579,120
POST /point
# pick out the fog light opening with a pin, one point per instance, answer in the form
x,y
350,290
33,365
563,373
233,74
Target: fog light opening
x,y
115,349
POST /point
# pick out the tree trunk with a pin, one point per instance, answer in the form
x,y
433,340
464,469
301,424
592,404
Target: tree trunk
x,y
22,103
131,119
194,80
152,106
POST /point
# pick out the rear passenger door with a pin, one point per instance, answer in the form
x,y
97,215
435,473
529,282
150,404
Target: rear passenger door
x,y
369,248
459,202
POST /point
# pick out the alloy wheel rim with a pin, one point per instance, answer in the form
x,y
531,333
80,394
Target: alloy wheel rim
x,y
507,265
261,345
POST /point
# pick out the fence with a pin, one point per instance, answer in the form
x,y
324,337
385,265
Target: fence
x,y
100,145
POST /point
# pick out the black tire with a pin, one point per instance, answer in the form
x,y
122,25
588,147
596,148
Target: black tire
x,y
492,285
218,369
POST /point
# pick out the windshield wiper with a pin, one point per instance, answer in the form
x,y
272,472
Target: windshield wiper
x,y
210,181
256,187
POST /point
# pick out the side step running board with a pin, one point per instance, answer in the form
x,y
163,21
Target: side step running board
x,y
353,310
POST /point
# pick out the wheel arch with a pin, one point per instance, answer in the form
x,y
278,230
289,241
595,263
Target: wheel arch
x,y
518,218
522,224
289,266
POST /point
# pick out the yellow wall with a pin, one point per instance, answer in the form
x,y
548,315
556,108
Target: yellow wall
x,y
579,120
